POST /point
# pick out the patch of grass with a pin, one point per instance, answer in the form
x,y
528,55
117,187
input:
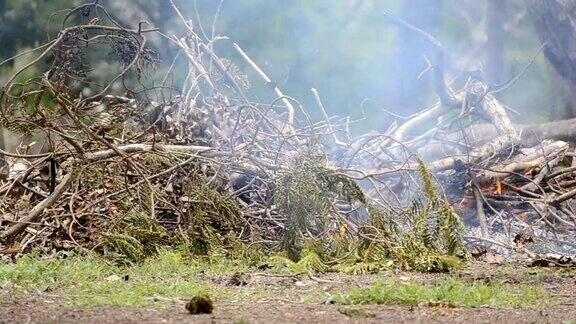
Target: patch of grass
x,y
356,312
241,320
31,273
91,280
544,274
141,293
451,291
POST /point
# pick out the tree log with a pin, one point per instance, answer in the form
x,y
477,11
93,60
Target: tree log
x,y
530,135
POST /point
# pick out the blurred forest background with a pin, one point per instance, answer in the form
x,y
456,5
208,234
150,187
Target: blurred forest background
x,y
362,65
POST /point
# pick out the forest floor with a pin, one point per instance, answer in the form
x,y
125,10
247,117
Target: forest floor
x,y
92,291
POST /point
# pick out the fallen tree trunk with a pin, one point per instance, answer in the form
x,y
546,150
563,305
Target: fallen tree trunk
x,y
564,130
530,135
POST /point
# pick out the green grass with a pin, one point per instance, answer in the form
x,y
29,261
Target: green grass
x,y
90,280
451,291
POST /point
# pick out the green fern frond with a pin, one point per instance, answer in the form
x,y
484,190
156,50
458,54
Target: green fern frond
x,y
452,229
236,73
124,247
311,262
427,182
363,268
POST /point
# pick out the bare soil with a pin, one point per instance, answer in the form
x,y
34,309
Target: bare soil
x,y
279,299
36,310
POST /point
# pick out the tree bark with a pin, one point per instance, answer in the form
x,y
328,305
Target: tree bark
x,y
555,24
406,89
531,135
495,33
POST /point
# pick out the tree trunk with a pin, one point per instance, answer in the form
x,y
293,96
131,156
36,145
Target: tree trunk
x,y
555,23
494,50
406,90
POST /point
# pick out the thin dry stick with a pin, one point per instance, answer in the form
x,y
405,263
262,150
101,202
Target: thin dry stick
x,y
142,148
263,75
323,110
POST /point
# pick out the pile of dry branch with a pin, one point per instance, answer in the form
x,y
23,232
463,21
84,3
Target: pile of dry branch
x,y
148,160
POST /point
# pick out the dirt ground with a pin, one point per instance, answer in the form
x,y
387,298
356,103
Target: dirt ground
x,y
289,305
34,310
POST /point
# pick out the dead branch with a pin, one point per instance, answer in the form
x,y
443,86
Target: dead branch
x,y
37,211
268,81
